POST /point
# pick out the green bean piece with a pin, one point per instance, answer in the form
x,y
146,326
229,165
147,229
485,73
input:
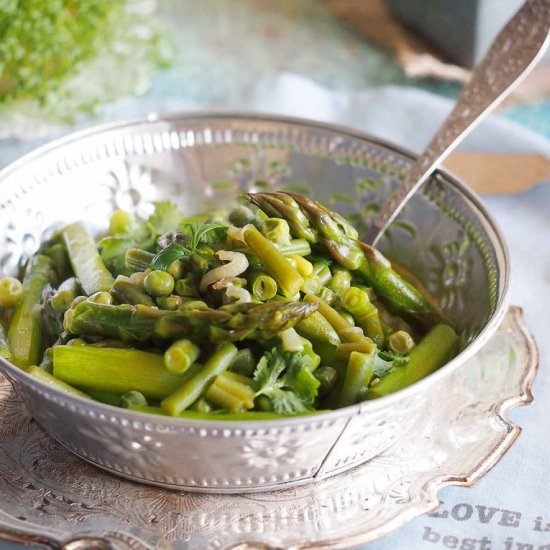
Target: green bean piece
x,y
277,230
244,363
327,377
60,259
401,342
202,405
191,390
327,295
288,279
126,292
180,356
340,281
159,283
4,348
53,382
347,316
64,296
25,331
340,325
323,272
263,286
137,259
312,285
120,222
232,391
138,278
85,260
364,312
117,370
437,347
317,329
296,247
343,351
308,351
358,375
133,399
11,292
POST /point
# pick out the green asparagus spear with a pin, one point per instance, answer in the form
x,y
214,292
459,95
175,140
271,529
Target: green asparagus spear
x,y
24,334
180,356
433,351
141,323
191,390
310,220
117,370
85,259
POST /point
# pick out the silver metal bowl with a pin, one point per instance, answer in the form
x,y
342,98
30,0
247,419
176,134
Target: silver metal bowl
x,y
444,236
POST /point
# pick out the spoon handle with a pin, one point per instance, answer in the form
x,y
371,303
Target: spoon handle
x,y
511,56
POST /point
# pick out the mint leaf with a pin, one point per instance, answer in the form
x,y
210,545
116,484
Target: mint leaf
x,y
197,233
170,254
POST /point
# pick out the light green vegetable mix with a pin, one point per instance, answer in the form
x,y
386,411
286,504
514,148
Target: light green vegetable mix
x,y
274,309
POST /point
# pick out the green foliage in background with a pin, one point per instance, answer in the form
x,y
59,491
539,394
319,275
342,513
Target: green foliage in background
x,y
45,44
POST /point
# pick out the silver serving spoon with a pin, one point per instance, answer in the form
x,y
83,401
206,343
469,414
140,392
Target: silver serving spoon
x,y
512,55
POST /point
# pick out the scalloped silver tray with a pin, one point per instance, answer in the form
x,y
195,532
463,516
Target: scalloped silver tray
x,y
50,497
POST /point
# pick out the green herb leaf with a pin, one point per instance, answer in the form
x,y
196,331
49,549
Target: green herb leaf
x,y
395,358
170,254
166,218
287,380
197,233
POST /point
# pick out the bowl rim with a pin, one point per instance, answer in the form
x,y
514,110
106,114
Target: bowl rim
x,y
365,406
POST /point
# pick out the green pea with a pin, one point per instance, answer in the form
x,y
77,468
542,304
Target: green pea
x,y
159,283
11,291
